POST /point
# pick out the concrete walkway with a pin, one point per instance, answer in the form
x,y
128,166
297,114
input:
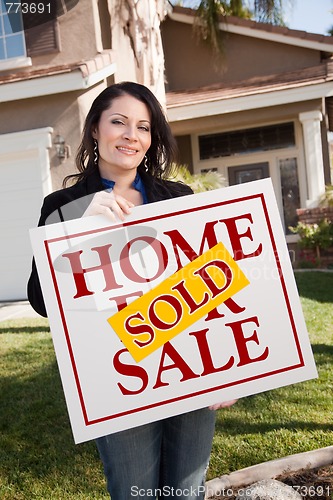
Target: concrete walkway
x,y
14,310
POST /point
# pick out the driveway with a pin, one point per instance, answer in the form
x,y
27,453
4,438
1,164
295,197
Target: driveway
x,y
13,310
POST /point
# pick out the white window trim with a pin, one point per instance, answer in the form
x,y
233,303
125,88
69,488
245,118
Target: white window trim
x,y
15,62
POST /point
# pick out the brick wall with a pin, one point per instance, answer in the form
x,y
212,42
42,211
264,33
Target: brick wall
x,y
314,215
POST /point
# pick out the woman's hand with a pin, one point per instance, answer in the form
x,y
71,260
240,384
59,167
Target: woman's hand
x,y
112,205
225,404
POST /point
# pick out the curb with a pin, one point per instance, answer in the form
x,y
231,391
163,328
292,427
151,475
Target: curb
x,y
269,470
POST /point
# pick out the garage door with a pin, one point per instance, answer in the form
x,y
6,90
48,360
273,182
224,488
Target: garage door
x,y
25,180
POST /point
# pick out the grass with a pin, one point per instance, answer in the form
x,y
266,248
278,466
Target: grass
x,y
291,419
39,459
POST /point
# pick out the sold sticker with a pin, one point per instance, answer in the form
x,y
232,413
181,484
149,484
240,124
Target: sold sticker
x,y
179,301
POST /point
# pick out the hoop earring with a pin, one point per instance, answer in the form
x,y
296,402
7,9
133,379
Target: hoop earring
x,y
96,154
146,163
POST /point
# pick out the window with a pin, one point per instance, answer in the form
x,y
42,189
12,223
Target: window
x,y
248,173
22,37
247,141
12,42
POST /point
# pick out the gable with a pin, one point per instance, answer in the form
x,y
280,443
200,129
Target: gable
x,y
251,50
244,58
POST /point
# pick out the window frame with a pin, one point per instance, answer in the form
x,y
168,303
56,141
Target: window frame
x,y
49,32
19,61
255,131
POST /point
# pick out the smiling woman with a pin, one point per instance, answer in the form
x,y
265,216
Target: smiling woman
x,y
125,159
123,138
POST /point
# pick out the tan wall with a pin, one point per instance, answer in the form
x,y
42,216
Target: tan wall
x,y
77,36
137,45
190,65
127,68
65,113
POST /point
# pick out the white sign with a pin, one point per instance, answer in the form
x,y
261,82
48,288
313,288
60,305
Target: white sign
x,y
253,341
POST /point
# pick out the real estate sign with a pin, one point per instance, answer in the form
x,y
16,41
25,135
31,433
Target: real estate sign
x,y
187,303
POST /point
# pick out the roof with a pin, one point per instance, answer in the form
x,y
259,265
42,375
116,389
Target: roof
x,y
49,80
86,68
256,29
259,92
321,73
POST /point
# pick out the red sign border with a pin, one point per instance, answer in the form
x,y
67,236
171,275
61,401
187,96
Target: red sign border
x,y
186,396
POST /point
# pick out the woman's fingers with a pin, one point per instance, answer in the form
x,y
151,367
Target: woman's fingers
x,y
113,206
225,404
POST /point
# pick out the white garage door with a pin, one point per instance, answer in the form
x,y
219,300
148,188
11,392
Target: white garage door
x,y
24,181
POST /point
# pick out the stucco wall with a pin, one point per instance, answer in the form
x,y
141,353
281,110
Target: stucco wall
x,y
78,40
65,113
190,64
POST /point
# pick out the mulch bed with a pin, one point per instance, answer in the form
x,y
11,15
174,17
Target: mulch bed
x,y
311,484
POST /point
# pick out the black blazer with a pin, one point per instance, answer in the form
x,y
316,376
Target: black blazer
x,y
70,203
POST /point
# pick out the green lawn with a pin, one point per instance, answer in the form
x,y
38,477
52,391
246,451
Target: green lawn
x,y
39,459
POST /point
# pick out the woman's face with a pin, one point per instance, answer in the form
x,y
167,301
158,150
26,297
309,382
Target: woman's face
x,y
123,135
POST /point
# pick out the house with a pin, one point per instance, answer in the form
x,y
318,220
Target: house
x,y
50,72
266,113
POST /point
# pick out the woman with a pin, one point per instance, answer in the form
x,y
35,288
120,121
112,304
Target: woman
x,y
124,160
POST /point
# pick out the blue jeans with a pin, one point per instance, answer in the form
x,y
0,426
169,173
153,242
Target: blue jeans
x,y
164,459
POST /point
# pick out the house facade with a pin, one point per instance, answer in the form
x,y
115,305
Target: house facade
x,y
265,112
49,75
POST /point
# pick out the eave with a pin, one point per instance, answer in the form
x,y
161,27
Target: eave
x,y
274,90
56,80
264,31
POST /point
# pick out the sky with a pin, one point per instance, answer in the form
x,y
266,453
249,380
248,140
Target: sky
x,y
314,16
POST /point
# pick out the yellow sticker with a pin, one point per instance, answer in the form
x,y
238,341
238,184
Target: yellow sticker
x,y
179,301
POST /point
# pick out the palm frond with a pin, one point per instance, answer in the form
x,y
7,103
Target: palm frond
x,y
206,25
269,11
206,181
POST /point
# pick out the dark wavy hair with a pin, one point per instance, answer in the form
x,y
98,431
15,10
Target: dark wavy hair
x,y
162,151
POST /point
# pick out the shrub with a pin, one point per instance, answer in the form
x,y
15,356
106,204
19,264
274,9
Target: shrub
x,y
205,181
327,198
315,236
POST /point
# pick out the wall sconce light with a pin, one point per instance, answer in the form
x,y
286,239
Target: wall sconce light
x,y
62,150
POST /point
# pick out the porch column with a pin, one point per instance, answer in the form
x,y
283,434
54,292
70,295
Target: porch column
x,y
314,164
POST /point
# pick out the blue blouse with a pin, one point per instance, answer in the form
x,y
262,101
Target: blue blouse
x,y
137,184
